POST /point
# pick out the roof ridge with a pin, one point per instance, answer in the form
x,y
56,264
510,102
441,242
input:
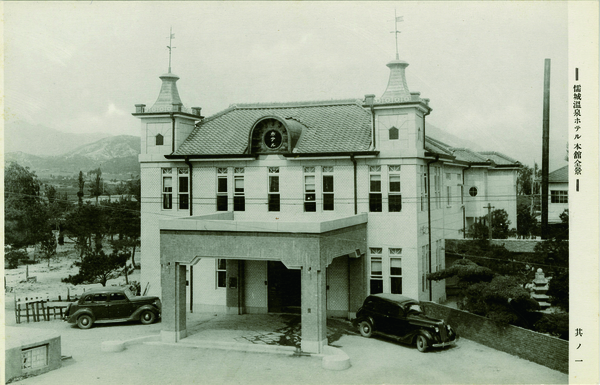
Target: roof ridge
x,y
437,141
306,103
499,154
218,114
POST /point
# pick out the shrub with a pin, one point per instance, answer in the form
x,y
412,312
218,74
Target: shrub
x,y
556,325
13,256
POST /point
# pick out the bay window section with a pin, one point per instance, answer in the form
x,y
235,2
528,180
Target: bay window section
x,y
327,188
167,189
274,201
310,205
394,192
396,275
184,188
239,197
222,189
376,271
375,189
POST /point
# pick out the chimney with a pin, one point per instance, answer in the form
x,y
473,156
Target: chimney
x,y
140,108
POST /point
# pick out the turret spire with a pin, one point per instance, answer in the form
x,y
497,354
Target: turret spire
x,y
396,32
170,46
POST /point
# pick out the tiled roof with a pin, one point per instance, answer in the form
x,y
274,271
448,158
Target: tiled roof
x,y
559,176
499,158
437,147
331,126
466,155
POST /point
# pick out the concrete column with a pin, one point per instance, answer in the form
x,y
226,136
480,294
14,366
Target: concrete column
x,y
357,284
235,284
314,313
173,302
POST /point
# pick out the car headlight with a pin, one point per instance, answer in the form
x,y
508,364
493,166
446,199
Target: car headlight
x,y
437,330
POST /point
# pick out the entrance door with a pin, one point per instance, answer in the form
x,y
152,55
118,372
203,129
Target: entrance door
x,y
284,288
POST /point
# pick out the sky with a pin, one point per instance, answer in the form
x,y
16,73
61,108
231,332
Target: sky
x,y
82,66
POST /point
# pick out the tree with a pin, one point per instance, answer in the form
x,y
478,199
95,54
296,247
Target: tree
x,y
87,227
48,246
135,188
97,267
527,180
80,185
500,224
526,222
124,221
478,230
498,297
97,188
558,289
25,217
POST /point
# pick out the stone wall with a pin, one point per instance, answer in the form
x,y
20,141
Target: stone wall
x,y
542,349
512,245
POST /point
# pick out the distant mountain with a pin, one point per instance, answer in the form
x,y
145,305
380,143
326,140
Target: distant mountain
x,y
108,148
451,140
114,155
43,141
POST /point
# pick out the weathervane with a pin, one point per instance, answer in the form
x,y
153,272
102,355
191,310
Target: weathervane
x,y
170,46
396,32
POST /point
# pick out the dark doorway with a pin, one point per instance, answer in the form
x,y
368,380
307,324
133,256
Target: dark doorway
x,y
284,288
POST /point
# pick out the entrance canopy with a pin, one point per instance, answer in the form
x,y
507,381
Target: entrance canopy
x,y
310,246
295,243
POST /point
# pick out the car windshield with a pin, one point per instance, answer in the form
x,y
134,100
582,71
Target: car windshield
x,y
128,293
414,307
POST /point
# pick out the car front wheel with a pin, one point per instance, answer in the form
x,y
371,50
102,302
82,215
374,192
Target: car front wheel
x,y
365,328
147,317
84,322
422,343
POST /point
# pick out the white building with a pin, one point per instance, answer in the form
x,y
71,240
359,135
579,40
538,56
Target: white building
x,y
558,194
304,207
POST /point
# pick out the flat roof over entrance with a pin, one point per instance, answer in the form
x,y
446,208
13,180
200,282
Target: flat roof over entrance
x,y
294,224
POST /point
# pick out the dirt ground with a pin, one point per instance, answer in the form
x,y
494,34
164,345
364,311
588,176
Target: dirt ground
x,y
47,282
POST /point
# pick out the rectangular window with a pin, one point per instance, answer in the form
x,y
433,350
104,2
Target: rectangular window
x,y
167,188
376,270
449,194
310,196
396,275
34,358
375,204
327,189
394,190
274,198
437,187
424,268
221,273
239,198
423,188
222,189
558,196
183,188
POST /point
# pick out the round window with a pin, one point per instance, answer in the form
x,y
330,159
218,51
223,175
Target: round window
x,y
473,191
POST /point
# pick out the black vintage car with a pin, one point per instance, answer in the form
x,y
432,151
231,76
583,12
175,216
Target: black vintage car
x,y
114,304
401,318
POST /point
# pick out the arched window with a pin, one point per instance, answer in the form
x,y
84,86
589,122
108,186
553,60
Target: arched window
x,y
159,140
393,133
473,191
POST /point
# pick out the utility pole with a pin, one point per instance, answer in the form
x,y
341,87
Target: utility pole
x,y
545,148
489,207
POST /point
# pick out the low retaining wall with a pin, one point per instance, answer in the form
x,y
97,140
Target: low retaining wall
x,y
30,352
542,349
512,245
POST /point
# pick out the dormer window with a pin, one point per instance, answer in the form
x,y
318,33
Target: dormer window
x,y
393,133
159,140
